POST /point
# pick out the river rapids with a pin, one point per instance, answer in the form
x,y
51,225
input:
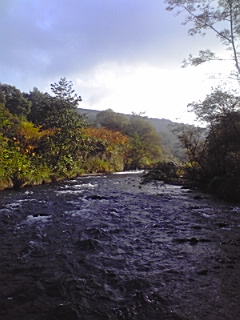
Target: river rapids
x,y
108,248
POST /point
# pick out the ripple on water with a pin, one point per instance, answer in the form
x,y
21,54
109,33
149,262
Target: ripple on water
x,y
76,189
111,250
85,186
70,191
38,217
85,213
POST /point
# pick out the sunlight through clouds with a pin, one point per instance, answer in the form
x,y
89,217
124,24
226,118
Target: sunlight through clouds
x,y
159,93
121,54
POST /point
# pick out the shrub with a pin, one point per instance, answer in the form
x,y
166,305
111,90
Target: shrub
x,y
165,172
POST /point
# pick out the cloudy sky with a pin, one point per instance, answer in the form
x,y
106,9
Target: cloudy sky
x,y
120,54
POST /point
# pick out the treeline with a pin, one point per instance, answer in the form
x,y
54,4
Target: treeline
x,y
212,161
213,154
43,138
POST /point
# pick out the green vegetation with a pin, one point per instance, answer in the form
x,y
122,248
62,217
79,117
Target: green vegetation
x,y
43,138
213,154
163,172
144,142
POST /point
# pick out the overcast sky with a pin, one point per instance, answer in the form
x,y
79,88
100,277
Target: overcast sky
x,y
120,54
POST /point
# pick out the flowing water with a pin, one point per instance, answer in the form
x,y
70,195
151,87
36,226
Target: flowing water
x,y
106,248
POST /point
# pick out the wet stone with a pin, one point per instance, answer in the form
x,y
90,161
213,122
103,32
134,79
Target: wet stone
x,y
202,272
87,244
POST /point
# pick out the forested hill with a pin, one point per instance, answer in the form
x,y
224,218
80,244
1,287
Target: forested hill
x,y
163,126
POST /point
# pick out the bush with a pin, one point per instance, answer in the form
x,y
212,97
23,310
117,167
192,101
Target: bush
x,y
226,187
166,172
97,165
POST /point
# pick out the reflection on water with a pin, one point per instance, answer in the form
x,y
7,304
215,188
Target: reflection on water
x,y
102,247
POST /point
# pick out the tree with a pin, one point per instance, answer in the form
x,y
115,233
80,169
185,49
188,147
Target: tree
x,y
40,106
14,100
144,140
59,113
146,146
213,158
220,110
63,90
62,116
55,111
20,155
223,146
193,141
30,139
216,104
108,149
112,120
220,17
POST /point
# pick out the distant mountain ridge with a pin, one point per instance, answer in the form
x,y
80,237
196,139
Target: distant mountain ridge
x,y
160,124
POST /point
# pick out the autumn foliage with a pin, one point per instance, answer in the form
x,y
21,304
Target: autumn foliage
x,y
43,138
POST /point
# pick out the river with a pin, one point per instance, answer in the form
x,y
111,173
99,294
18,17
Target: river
x,y
107,248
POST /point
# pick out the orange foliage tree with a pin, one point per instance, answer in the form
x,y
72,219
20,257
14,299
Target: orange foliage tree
x,y
107,145
29,139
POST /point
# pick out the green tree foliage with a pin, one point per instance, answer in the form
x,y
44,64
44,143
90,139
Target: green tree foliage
x,y
8,122
163,172
62,116
216,105
53,141
223,146
56,111
214,152
59,113
220,17
5,154
193,140
63,90
109,150
145,142
14,100
40,107
19,161
213,158
112,120
49,147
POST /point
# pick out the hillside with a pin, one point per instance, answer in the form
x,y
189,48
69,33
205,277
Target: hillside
x,y
163,126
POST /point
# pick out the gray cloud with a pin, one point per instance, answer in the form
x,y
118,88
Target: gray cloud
x,y
44,39
120,54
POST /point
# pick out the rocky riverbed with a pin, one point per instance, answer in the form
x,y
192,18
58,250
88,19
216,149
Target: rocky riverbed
x,y
106,248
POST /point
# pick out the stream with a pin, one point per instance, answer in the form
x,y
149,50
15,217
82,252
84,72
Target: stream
x,y
107,248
